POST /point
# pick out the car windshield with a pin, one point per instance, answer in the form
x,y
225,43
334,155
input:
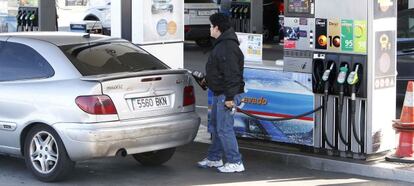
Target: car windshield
x,y
110,57
406,24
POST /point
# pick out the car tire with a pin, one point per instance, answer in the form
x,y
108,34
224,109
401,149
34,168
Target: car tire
x,y
154,158
206,42
52,163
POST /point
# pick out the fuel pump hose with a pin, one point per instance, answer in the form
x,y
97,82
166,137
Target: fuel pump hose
x,y
279,119
353,80
341,80
324,116
326,79
340,110
353,111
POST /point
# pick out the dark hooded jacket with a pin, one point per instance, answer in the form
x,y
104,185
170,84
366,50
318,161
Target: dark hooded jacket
x,y
225,66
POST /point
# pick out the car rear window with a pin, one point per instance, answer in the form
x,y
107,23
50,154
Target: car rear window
x,y
110,57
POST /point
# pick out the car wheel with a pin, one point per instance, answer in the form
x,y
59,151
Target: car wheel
x,y
206,42
45,155
154,158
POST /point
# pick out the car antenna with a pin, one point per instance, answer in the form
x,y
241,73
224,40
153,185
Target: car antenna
x,y
88,34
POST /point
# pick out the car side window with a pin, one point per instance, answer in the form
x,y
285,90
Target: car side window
x,y
20,62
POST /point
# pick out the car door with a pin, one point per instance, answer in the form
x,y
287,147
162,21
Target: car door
x,y
20,67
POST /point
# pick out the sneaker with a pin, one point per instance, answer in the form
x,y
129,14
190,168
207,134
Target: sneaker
x,y
231,167
206,163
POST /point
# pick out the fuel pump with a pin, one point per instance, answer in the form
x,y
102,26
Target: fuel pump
x,y
353,81
327,80
247,16
23,21
27,20
33,21
232,15
341,80
19,22
246,13
237,18
356,119
36,16
240,18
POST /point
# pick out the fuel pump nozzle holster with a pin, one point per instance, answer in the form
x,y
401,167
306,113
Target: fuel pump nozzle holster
x,y
353,80
342,77
326,77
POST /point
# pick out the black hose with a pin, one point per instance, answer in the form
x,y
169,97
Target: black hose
x,y
353,111
280,119
324,117
340,110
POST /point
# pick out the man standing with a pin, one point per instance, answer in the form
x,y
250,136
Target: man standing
x,y
225,79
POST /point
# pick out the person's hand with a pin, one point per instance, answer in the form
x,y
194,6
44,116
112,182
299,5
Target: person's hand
x,y
229,104
203,82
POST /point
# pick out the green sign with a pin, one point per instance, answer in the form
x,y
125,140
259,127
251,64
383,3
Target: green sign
x,y
360,37
347,35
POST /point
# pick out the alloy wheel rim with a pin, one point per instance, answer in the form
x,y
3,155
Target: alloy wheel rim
x,y
44,152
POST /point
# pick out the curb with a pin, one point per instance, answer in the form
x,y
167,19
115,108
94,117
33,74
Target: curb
x,y
373,169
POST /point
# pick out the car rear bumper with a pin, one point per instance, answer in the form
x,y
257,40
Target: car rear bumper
x,y
88,141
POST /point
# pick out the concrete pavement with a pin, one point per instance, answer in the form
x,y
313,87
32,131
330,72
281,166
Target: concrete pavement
x,y
261,168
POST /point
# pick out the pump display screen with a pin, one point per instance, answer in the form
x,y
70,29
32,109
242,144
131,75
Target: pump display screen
x,y
299,6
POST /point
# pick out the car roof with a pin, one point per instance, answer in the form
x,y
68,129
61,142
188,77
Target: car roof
x,y
61,38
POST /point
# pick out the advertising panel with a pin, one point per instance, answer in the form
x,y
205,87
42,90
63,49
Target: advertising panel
x,y
347,35
385,61
251,45
276,94
360,36
298,33
163,21
320,35
29,3
334,35
385,8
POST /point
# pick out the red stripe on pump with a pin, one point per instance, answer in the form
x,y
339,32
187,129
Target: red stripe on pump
x,y
277,115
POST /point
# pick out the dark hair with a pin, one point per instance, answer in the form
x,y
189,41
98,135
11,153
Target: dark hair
x,y
221,20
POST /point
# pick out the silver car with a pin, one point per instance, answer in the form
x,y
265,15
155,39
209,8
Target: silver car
x,y
66,97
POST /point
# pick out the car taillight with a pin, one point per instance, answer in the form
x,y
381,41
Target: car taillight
x,y
96,105
189,98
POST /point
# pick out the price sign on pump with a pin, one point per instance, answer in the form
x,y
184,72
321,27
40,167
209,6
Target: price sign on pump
x,y
347,35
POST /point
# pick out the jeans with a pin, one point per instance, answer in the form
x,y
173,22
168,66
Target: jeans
x,y
222,132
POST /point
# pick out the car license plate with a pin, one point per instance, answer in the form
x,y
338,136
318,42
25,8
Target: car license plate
x,y
151,103
205,13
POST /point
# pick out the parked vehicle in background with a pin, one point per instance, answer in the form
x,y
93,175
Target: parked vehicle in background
x,y
196,20
159,6
405,53
99,10
73,97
